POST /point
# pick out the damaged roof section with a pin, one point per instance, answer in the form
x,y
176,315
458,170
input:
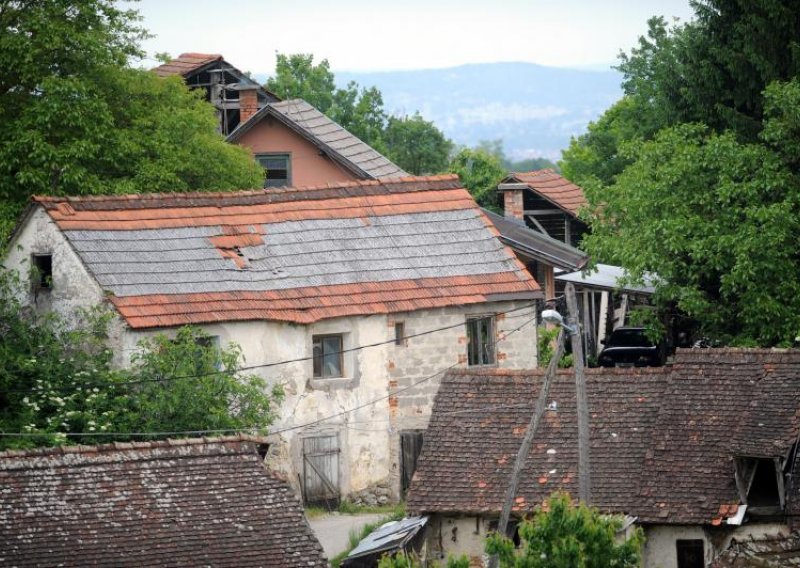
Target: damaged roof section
x,y
664,441
297,255
202,502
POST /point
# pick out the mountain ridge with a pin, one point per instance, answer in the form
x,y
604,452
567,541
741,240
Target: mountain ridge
x,y
534,109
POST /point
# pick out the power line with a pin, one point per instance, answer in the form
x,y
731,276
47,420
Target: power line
x,y
271,432
279,363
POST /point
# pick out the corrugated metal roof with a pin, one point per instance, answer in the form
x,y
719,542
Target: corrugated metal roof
x,y
387,538
291,255
348,149
608,277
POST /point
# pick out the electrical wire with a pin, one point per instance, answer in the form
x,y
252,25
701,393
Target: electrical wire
x,y
271,432
279,363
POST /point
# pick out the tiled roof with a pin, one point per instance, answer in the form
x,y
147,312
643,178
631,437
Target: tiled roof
x,y
553,187
291,254
186,63
663,440
204,502
772,550
342,146
479,419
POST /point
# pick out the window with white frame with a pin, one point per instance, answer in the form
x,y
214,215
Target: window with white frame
x,y
277,169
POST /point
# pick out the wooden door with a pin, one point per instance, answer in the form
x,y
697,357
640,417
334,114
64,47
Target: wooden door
x,y
410,448
321,471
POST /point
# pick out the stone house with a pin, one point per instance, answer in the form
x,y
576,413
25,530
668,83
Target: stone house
x,y
195,502
703,453
355,297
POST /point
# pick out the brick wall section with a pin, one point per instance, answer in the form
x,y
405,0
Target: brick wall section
x,y
513,204
426,355
248,104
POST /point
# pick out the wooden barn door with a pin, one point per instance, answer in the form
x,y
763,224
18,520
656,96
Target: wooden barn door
x,y
321,471
410,448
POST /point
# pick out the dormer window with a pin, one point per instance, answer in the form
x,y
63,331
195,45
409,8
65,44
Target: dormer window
x,y
277,169
42,276
761,485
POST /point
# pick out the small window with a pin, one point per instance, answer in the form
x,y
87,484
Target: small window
x,y
400,333
690,553
328,360
42,277
277,171
480,340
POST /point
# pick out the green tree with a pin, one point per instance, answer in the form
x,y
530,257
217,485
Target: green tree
x,y
358,109
413,143
480,172
57,377
568,536
717,220
187,380
416,145
297,77
693,175
75,120
401,560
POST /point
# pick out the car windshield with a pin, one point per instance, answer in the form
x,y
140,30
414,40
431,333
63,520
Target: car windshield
x,y
629,338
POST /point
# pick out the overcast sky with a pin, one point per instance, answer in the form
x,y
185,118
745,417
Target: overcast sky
x,y
371,35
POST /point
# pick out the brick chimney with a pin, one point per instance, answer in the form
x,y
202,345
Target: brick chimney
x,y
513,203
248,104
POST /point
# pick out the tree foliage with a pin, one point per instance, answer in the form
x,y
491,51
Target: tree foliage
x,y
76,120
567,536
57,378
693,175
401,560
480,172
414,144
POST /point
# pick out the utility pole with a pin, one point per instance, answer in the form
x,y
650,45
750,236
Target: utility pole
x,y
584,479
527,441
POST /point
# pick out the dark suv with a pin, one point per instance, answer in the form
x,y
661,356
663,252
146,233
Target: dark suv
x,y
629,347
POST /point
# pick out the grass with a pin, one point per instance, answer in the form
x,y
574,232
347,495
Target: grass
x,y
348,508
393,513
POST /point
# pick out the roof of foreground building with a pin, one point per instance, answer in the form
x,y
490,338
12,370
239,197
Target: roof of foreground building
x,y
196,502
664,441
298,255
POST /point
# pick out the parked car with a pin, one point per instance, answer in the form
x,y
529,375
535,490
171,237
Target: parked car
x,y
629,347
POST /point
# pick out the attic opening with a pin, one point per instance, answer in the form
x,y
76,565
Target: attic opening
x,y
761,485
42,277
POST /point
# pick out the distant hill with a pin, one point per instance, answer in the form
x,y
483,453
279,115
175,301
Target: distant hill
x,y
533,108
